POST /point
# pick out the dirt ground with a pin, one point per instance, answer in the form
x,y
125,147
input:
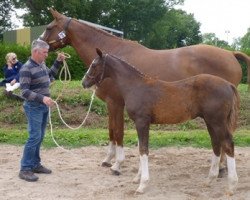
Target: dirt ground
x,y
175,174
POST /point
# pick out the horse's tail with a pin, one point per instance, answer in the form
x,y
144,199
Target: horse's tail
x,y
234,112
243,57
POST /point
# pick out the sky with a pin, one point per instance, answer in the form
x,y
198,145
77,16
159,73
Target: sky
x,y
228,19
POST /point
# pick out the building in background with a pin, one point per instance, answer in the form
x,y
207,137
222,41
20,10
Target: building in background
x,y
25,36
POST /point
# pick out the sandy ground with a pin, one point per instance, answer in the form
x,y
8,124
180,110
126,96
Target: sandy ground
x,y
175,174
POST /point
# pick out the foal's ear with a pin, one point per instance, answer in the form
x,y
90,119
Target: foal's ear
x,y
99,52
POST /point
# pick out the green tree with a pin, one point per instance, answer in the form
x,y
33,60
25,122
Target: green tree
x,y
153,23
245,41
5,16
135,18
38,11
175,29
212,39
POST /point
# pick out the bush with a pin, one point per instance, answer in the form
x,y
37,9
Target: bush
x,y
76,66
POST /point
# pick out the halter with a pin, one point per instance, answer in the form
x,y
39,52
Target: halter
x,y
102,75
62,34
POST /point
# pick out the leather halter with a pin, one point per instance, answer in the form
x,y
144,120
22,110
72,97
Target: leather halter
x,y
97,82
62,34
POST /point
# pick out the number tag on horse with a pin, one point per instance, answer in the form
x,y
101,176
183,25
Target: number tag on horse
x,y
62,35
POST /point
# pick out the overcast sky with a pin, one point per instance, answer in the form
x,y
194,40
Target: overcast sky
x,y
228,19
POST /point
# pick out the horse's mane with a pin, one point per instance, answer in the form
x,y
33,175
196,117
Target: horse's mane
x,y
106,33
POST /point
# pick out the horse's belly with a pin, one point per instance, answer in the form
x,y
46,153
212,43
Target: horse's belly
x,y
170,118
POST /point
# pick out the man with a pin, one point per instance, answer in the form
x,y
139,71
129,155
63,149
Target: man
x,y
35,78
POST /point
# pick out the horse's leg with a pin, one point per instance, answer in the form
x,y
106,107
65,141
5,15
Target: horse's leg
x,y
116,133
142,128
111,153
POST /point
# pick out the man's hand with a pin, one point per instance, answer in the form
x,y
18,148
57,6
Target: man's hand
x,y
48,101
61,57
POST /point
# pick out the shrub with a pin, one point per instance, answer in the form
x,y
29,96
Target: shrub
x,y
76,66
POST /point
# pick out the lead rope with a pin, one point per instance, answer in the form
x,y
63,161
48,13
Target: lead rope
x,y
73,128
67,78
67,75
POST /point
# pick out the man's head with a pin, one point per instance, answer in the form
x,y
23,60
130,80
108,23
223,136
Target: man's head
x,y
39,51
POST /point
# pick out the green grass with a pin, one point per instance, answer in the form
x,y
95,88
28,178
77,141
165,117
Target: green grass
x,y
75,101
99,137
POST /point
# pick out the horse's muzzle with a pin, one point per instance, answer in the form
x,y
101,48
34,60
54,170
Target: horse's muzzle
x,y
86,84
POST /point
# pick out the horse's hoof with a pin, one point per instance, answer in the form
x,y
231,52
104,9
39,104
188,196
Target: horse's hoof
x,y
105,164
229,193
222,172
208,181
136,180
115,172
232,185
139,191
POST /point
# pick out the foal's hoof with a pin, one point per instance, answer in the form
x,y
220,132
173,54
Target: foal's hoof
x,y
105,164
209,181
222,172
115,172
141,189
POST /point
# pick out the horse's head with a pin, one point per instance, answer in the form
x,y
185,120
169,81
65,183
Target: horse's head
x,y
56,32
95,73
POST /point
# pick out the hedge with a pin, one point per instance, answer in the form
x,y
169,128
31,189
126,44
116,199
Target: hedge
x,y
76,65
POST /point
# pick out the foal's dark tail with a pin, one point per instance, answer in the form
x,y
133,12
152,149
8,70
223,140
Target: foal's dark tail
x,y
234,112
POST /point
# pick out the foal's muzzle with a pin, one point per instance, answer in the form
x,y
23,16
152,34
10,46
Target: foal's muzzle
x,y
87,83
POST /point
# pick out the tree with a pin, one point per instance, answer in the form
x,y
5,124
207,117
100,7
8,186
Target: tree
x,y
175,29
212,39
5,16
153,23
245,41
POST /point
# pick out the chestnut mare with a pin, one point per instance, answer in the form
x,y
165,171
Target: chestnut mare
x,y
152,101
168,65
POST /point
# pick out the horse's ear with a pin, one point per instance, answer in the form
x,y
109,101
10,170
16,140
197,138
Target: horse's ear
x,y
99,52
54,13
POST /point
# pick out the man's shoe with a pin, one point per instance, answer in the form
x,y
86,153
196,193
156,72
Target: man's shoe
x,y
42,170
28,176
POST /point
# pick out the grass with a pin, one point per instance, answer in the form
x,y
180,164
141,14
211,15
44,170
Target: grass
x,y
99,137
74,102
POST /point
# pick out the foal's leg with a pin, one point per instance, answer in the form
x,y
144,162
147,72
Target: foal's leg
x,y
214,169
137,178
215,133
228,147
223,167
222,139
142,128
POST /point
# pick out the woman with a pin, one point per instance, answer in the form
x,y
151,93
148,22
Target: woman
x,y
11,74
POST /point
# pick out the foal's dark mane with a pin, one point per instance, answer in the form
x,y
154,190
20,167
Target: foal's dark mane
x,y
131,67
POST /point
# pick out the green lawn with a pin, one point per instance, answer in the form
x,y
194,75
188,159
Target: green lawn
x,y
98,137
75,100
